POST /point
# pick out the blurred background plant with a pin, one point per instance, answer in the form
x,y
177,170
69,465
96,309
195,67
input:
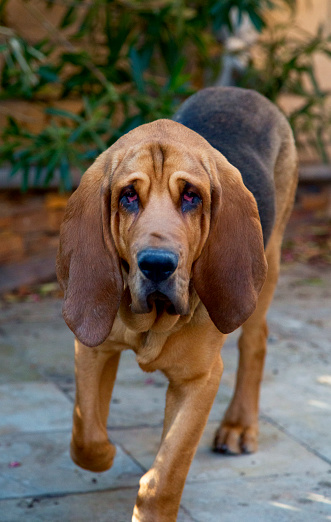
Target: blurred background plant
x,y
128,62
283,63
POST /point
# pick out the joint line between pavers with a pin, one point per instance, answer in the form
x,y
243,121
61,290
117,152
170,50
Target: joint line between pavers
x,y
189,514
129,454
134,427
63,494
293,437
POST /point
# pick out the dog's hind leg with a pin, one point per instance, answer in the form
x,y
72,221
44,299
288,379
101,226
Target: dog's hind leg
x,y
238,432
95,370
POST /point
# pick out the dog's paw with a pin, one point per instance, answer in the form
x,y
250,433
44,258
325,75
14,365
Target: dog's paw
x,y
235,439
95,457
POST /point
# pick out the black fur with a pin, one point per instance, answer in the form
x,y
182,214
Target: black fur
x,y
245,127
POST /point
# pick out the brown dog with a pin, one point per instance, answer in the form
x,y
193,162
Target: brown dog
x,y
162,251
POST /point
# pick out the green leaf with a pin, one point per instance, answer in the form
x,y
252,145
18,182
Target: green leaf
x,y
15,169
25,179
137,70
48,73
65,174
53,163
256,19
63,113
70,16
37,176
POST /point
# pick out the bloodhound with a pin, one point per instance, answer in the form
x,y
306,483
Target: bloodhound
x,y
171,241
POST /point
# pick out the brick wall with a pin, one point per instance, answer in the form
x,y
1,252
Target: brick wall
x,y
29,232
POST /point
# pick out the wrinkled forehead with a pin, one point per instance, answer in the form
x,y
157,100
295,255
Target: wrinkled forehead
x,y
160,159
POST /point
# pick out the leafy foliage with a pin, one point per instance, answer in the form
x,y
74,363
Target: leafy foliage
x,y
130,62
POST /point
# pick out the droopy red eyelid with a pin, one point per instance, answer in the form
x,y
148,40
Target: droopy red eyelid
x,y
132,198
188,196
129,198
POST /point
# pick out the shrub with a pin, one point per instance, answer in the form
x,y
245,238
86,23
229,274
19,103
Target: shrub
x,y
130,62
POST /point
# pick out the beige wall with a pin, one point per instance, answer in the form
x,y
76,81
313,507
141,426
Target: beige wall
x,y
309,16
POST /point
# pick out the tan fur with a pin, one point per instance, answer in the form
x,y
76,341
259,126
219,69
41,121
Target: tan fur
x,y
216,288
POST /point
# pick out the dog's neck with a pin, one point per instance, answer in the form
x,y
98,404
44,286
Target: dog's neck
x,y
154,329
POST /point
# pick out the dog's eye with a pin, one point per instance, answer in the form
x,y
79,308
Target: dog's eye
x,y
129,199
190,200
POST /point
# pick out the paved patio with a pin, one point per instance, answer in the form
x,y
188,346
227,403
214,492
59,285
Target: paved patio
x,y
289,479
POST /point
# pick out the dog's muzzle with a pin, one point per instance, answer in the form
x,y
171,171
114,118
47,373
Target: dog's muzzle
x,y
157,265
156,286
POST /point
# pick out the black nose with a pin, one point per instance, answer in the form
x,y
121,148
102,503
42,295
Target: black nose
x,y
157,265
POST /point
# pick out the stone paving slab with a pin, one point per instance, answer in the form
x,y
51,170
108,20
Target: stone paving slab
x,y
48,346
302,408
33,407
14,367
37,464
139,398
289,479
272,458
107,506
294,498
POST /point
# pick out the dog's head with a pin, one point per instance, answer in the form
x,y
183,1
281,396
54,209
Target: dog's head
x,y
159,214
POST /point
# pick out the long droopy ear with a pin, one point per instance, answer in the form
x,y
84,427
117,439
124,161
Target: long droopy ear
x,y
88,266
231,269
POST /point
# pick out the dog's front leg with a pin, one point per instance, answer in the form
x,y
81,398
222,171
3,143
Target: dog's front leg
x,y
95,370
188,404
